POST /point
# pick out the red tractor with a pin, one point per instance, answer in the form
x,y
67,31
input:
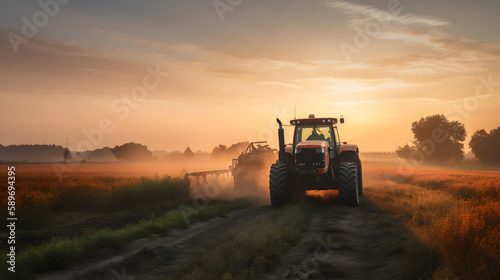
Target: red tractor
x,y
316,160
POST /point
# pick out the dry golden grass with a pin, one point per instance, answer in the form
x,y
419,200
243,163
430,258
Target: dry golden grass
x,y
38,185
88,187
456,212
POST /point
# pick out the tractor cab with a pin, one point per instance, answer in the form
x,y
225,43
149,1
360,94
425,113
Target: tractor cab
x,y
316,129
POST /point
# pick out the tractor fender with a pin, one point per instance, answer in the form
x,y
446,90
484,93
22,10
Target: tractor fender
x,y
348,153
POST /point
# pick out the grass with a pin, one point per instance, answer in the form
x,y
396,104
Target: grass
x,y
90,191
456,213
38,204
60,253
252,251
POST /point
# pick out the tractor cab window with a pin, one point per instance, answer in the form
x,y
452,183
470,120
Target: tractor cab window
x,y
314,132
337,138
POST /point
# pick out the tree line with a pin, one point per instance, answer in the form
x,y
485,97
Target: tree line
x,y
32,153
439,140
127,152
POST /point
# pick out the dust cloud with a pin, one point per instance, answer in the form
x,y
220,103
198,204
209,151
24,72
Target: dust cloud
x,y
247,180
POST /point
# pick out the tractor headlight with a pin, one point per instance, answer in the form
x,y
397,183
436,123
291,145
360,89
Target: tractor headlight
x,y
320,150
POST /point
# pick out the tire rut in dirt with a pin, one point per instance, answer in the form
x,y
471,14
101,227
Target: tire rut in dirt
x,y
155,256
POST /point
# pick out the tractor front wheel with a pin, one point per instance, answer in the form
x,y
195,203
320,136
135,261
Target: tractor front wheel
x,y
349,185
279,181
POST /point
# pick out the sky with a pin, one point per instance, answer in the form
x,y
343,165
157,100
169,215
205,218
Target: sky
x,y
172,74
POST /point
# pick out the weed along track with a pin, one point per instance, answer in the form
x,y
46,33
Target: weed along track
x,y
154,256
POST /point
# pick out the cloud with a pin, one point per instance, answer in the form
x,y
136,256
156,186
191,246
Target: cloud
x,y
136,41
272,64
352,85
424,99
444,43
232,72
410,37
355,102
360,13
440,51
387,101
461,99
440,55
281,84
51,66
189,48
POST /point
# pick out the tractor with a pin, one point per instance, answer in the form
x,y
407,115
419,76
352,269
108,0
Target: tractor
x,y
316,160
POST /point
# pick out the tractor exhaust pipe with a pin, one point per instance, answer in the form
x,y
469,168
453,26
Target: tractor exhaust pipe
x,y
281,141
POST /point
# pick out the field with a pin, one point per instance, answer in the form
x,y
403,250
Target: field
x,y
428,223
456,212
42,198
96,187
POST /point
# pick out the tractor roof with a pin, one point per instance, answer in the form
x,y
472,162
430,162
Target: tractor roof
x,y
313,120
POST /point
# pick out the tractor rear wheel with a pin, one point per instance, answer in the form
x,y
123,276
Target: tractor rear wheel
x,y
279,181
348,179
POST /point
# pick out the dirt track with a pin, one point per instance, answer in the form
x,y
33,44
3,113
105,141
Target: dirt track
x,y
341,243
348,243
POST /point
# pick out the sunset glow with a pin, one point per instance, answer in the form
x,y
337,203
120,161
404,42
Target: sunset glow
x,y
172,74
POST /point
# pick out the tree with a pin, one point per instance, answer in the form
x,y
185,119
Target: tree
x,y
486,146
32,153
219,150
101,155
67,154
132,151
436,140
405,152
233,150
188,152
